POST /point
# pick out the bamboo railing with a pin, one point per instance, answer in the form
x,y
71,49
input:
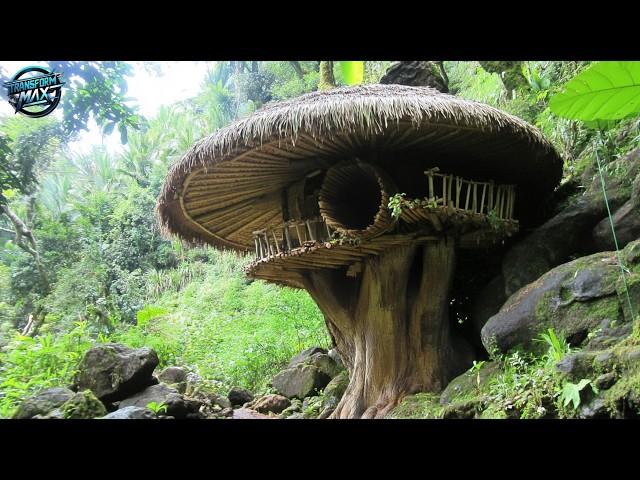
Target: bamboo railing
x,y
289,235
471,196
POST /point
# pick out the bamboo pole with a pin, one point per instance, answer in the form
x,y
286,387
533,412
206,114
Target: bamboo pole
x,y
490,207
299,235
431,194
310,232
256,242
458,190
287,236
466,203
484,189
444,190
475,197
275,240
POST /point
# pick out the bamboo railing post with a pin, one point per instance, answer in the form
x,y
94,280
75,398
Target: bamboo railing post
x,y
275,240
450,190
256,242
466,203
287,236
444,190
484,189
299,235
475,197
309,228
328,231
431,194
458,190
490,206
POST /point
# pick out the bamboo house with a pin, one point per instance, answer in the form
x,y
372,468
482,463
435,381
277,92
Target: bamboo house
x,y
320,188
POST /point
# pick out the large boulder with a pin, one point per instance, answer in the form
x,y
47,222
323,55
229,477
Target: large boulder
x,y
334,391
300,381
114,372
416,74
159,394
83,405
305,355
174,376
239,396
43,402
131,413
326,364
270,403
626,221
576,299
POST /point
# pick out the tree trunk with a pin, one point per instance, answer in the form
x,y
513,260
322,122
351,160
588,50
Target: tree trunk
x,y
327,80
298,69
391,326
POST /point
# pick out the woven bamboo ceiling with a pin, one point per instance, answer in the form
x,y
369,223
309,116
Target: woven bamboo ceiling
x,y
231,183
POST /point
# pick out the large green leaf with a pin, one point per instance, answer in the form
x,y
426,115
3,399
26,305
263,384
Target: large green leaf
x,y
352,72
604,91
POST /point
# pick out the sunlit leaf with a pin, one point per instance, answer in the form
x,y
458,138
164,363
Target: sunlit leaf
x,y
604,91
352,72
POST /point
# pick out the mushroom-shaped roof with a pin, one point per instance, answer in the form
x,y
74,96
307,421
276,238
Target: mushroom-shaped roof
x,y
232,182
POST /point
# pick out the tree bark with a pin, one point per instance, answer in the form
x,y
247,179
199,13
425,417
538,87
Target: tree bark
x,y
391,326
298,69
327,80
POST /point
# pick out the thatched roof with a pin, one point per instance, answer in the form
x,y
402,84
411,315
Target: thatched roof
x,y
231,182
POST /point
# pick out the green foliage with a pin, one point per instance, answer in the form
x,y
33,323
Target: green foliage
x,y
395,204
156,407
28,365
558,346
352,72
571,392
604,91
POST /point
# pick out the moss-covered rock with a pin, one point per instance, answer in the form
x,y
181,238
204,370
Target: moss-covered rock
x,y
417,406
469,384
42,403
334,391
576,299
83,405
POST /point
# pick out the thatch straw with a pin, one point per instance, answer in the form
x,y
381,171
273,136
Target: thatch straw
x,y
334,118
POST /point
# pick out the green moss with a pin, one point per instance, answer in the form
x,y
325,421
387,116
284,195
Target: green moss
x,y
418,406
83,405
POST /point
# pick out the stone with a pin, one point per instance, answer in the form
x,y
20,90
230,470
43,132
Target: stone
x,y
55,414
305,355
577,365
300,381
247,414
461,410
605,381
295,407
334,391
575,299
83,405
131,413
174,376
415,73
43,402
556,240
271,403
596,408
626,221
114,372
239,396
311,407
467,384
159,394
325,364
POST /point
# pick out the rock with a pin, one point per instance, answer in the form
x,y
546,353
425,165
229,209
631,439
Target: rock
x,y
325,364
577,365
574,299
55,414
173,375
626,221
159,394
246,414
464,409
311,407
333,353
271,403
417,74
554,242
239,396
131,413
467,384
334,391
42,403
605,381
226,412
305,355
83,405
114,372
295,407
596,408
300,381
296,416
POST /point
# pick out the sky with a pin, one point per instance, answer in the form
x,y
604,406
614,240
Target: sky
x,y
178,81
